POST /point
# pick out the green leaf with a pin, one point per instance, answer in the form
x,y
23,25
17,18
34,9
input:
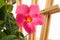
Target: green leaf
x,y
11,16
1,22
9,37
1,3
2,16
7,20
10,24
19,35
2,12
8,0
2,34
13,28
1,25
7,32
1,28
9,8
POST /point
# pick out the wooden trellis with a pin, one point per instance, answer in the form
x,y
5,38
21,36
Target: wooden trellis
x,y
49,9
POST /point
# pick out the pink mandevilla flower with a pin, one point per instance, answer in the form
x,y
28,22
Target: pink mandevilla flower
x,y
28,17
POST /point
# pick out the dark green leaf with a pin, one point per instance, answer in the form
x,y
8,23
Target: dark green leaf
x,y
9,8
1,22
7,20
9,37
11,16
7,32
2,34
1,25
13,28
1,28
2,12
8,0
19,35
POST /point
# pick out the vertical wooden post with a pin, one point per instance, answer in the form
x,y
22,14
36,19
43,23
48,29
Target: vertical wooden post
x,y
45,28
30,37
34,1
33,36
17,3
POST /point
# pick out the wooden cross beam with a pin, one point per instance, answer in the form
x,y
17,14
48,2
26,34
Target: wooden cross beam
x,y
52,10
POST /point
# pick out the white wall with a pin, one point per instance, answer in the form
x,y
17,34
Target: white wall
x,y
54,32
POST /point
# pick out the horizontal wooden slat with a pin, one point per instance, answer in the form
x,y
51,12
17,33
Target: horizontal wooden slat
x,y
52,10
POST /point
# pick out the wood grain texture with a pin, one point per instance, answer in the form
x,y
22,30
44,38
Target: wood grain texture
x,y
51,10
45,27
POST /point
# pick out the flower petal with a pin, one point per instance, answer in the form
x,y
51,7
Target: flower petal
x,y
19,20
29,27
39,20
34,10
22,9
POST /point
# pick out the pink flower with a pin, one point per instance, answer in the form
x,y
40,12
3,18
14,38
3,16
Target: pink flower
x,y
28,17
